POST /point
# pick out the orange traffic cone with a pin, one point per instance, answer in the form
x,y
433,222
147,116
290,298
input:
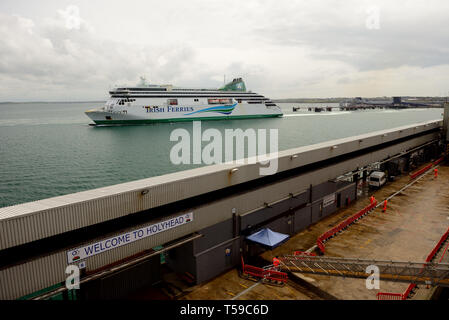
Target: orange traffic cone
x,y
385,206
435,172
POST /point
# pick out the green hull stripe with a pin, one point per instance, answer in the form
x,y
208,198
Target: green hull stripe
x,y
147,121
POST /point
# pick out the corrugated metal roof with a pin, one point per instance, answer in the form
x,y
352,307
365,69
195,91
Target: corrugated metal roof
x,y
69,212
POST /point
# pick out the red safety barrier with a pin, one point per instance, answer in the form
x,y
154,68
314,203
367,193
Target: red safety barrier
x,y
385,295
343,225
442,256
437,247
320,245
409,289
415,174
396,296
262,273
303,253
438,161
388,296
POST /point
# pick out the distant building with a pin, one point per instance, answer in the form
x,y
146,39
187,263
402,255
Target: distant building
x,y
397,100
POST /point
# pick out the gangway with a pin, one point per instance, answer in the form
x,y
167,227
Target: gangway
x,y
435,274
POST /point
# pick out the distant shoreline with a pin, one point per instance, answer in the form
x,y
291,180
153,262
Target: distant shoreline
x,y
25,102
288,100
338,100
294,100
310,100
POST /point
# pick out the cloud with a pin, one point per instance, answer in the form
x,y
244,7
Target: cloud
x,y
72,18
295,49
68,56
408,34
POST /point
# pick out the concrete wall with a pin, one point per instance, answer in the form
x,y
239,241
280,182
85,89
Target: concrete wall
x,y
214,235
349,193
262,215
446,121
329,209
181,259
283,225
214,261
123,283
323,189
316,211
303,218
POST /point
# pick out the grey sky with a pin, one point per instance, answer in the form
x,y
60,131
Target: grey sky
x,y
77,50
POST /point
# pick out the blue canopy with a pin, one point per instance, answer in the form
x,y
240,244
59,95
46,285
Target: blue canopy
x,y
268,238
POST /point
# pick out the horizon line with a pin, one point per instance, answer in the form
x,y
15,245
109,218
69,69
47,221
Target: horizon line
x,y
308,98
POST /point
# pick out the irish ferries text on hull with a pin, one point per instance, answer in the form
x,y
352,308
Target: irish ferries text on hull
x,y
165,103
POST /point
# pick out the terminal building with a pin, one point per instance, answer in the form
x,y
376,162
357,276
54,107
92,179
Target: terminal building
x,y
194,223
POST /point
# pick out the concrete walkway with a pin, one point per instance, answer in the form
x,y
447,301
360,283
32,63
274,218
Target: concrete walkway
x,y
414,222
230,286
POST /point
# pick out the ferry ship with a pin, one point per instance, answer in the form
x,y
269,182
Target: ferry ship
x,y
145,104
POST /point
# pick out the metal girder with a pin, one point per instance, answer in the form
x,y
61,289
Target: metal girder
x,y
436,274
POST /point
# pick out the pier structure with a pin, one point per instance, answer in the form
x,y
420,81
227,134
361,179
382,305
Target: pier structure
x,y
193,222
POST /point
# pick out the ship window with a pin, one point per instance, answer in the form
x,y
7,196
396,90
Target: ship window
x,y
172,102
196,100
219,101
225,101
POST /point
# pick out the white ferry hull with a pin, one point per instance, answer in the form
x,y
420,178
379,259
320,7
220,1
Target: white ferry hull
x,y
136,115
153,103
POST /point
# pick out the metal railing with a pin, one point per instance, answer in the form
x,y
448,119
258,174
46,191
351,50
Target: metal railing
x,y
400,271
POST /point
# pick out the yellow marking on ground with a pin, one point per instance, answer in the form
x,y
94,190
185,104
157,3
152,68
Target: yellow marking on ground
x,y
230,293
291,290
243,285
366,242
277,296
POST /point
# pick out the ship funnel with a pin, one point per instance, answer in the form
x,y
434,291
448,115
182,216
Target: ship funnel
x,y
235,85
